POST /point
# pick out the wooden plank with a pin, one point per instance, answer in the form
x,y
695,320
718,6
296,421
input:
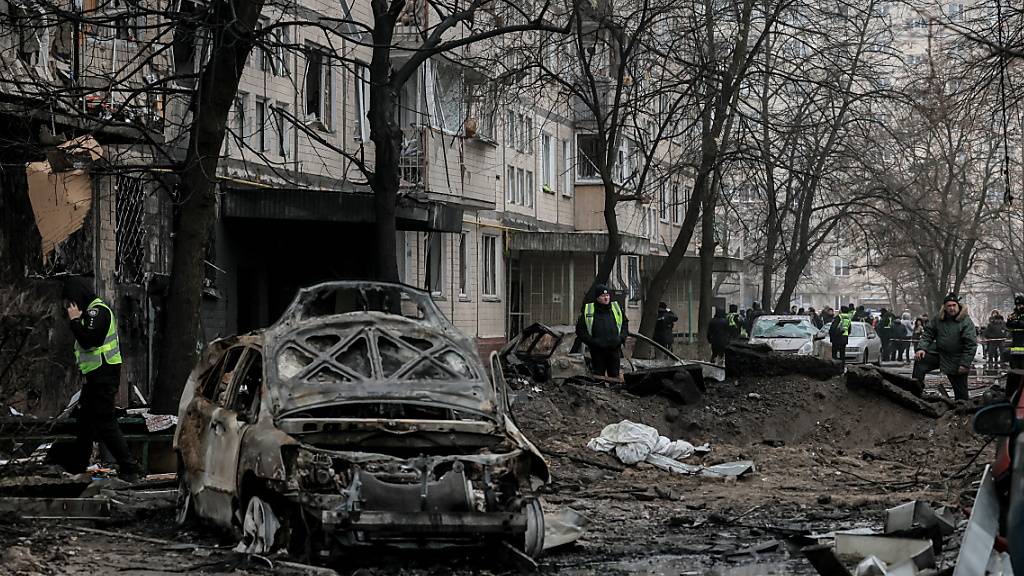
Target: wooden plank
x,y
54,508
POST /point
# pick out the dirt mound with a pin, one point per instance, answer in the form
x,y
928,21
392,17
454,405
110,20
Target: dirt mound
x,y
749,416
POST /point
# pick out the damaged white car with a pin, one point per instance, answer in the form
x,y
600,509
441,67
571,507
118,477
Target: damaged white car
x,y
362,417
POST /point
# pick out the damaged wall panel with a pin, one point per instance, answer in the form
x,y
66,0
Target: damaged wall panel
x,y
60,202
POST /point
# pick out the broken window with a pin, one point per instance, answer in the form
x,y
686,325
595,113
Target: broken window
x,y
449,102
489,254
587,156
245,396
433,258
319,91
216,381
260,50
511,139
281,36
529,188
663,202
29,29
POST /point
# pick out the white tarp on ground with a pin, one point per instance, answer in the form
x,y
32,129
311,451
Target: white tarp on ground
x,y
632,443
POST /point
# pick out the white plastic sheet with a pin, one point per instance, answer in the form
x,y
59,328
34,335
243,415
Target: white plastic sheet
x,y
634,442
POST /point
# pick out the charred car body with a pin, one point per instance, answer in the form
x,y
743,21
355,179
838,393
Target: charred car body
x,y
361,417
552,353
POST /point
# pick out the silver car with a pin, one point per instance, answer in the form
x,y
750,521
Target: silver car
x,y
863,347
789,333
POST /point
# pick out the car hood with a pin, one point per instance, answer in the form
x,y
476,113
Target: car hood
x,y
366,357
783,343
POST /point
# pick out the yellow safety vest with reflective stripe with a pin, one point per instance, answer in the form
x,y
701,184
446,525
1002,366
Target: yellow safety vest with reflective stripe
x,y
731,317
845,322
90,359
588,316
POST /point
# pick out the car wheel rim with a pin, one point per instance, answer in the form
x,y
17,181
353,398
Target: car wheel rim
x,y
534,537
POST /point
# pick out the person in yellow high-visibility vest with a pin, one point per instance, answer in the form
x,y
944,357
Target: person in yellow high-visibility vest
x,y
98,354
603,328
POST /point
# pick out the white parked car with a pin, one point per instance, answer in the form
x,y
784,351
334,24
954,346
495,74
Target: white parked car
x,y
789,333
864,345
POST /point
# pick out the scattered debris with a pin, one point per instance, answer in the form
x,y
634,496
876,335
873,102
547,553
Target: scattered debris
x,y
259,529
982,528
19,560
563,527
745,359
889,550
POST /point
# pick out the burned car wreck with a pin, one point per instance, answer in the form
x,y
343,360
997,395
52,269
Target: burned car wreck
x,y
362,417
543,353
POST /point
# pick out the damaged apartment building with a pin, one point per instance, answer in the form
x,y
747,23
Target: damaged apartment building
x,y
499,216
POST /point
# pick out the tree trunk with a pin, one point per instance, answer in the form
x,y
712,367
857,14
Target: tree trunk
x,y
386,135
614,248
232,23
707,264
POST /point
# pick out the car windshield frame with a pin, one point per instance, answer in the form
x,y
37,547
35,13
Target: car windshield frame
x,y
858,327
783,328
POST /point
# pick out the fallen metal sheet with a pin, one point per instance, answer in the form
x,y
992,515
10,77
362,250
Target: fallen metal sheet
x,y
887,549
824,560
999,564
563,527
982,527
738,468
56,508
917,513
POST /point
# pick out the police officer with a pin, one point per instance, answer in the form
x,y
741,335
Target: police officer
x,y
98,353
839,332
736,328
603,328
663,326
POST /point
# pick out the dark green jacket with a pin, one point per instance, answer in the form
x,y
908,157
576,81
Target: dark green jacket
x,y
955,340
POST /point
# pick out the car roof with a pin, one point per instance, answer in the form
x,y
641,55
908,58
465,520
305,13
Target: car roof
x,y
784,317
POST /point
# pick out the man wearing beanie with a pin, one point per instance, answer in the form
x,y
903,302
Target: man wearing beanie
x,y
603,328
948,343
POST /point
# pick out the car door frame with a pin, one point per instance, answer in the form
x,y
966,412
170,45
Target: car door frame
x,y
204,415
223,442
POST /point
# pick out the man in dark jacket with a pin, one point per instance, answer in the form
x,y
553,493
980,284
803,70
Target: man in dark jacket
x,y
861,315
949,343
603,328
885,332
718,335
663,326
98,353
995,334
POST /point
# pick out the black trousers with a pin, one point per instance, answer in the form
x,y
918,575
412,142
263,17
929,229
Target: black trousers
x,y
839,348
718,351
97,422
605,362
993,350
931,362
